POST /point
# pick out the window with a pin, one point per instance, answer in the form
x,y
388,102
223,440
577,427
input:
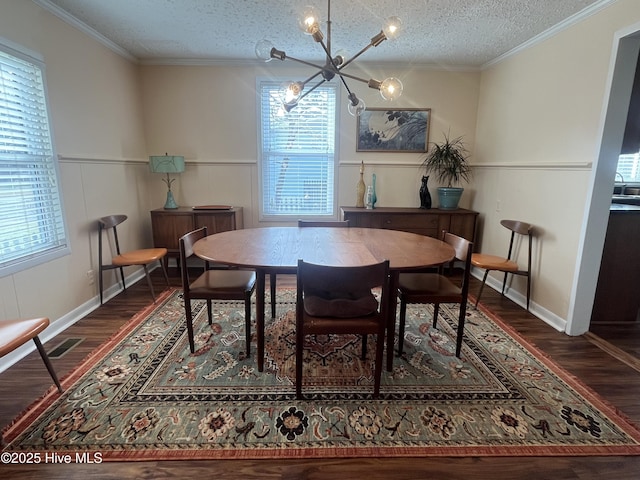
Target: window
x,y
32,230
297,157
629,167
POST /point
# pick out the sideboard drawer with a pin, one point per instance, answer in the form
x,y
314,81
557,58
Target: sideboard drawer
x,y
401,221
430,222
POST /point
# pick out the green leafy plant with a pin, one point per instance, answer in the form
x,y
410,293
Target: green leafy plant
x,y
448,161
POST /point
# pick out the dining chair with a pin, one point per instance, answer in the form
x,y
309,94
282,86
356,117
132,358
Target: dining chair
x,y
339,300
507,264
302,223
143,257
16,332
436,288
214,285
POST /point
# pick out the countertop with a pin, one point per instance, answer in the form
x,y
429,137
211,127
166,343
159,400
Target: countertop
x,y
621,207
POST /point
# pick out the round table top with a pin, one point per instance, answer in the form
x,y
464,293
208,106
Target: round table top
x,y
279,248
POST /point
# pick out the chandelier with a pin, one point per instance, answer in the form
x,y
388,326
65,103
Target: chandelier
x,y
309,22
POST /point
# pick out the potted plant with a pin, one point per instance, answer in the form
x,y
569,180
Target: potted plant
x,y
448,162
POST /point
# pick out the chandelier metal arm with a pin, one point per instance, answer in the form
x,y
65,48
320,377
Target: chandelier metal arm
x,y
312,89
331,62
304,62
372,82
353,77
356,56
312,77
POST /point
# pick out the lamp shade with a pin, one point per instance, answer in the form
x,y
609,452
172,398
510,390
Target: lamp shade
x,y
166,163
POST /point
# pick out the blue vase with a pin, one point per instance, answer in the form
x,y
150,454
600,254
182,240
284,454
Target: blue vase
x,y
374,199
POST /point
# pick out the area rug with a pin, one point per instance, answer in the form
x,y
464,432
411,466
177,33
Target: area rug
x,y
144,396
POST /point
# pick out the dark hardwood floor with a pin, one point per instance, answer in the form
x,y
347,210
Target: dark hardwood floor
x,y
612,370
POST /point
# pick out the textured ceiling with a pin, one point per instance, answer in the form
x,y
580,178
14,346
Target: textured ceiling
x,y
444,32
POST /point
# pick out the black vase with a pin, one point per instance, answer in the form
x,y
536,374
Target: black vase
x,y
425,196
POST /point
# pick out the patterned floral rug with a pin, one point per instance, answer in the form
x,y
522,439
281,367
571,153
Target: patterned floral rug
x,y
144,396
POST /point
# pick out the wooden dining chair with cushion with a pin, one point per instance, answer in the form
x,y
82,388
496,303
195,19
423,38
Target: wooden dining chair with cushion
x,y
436,288
507,264
17,332
339,300
214,285
302,223
143,257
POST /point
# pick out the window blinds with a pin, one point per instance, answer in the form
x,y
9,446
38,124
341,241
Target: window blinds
x,y
32,226
629,167
298,152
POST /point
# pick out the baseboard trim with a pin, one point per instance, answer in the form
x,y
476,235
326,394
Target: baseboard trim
x,y
61,324
548,317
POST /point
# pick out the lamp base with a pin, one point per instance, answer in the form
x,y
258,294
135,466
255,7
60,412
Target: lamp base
x,y
170,204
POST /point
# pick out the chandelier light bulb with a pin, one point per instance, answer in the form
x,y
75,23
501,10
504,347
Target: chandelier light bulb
x,y
309,20
392,28
391,88
263,50
357,109
340,57
290,92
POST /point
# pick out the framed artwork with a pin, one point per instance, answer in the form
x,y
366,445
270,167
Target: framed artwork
x,y
386,130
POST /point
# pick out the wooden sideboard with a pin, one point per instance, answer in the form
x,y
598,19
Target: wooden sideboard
x,y
429,222
169,225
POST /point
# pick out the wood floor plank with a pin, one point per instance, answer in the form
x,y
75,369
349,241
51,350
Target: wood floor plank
x,y
613,379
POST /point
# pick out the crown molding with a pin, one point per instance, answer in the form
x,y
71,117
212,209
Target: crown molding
x,y
66,17
83,27
541,37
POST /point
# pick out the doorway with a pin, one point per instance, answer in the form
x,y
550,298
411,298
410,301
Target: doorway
x,y
621,76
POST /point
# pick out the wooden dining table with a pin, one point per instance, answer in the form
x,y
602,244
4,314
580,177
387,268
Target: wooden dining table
x,y
276,250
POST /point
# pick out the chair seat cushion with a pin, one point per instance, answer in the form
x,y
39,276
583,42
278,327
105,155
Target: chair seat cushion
x,y
427,284
139,257
16,332
340,304
493,262
223,281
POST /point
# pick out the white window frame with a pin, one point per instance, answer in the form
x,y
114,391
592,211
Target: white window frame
x,y
265,152
33,228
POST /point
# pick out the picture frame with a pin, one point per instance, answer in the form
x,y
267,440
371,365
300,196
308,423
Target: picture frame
x,y
403,130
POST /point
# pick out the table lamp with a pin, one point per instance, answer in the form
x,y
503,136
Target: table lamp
x,y
167,164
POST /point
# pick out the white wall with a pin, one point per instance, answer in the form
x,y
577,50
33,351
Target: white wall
x,y
96,113
540,122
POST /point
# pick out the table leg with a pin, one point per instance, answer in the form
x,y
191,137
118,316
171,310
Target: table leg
x,y
391,317
260,286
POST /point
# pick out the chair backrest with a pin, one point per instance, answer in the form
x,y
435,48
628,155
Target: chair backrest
x,y
111,221
461,245
105,223
464,250
323,223
517,226
520,228
346,280
186,251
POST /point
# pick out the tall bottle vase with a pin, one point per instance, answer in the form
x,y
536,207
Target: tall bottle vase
x,y
360,188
